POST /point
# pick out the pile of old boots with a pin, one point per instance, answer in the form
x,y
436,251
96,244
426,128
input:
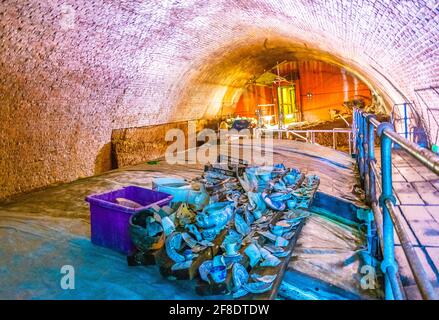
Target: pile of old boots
x,y
182,191
259,244
195,231
146,233
243,204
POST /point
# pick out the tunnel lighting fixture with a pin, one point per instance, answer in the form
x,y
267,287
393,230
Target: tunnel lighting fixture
x,y
309,95
289,116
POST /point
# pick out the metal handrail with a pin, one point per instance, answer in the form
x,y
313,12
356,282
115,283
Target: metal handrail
x,y
387,219
425,156
336,130
374,122
310,134
418,271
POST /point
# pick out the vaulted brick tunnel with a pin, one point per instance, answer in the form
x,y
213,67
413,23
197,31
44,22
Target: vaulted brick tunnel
x,y
74,71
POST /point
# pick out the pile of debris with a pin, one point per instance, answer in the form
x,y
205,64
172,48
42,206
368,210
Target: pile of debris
x,y
234,230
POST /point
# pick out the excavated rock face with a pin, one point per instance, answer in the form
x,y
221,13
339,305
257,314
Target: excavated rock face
x,y
74,70
136,145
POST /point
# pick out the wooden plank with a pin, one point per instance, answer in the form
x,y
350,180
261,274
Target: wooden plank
x,y
313,194
279,270
140,258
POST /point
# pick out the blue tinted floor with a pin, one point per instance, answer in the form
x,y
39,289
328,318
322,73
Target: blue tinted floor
x,y
43,231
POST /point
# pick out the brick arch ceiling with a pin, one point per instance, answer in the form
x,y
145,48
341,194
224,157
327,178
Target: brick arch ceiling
x,y
73,70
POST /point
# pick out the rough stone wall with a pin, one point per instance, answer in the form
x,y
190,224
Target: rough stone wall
x,y
136,145
71,71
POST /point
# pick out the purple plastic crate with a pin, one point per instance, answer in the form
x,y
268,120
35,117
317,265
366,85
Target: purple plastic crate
x,y
110,221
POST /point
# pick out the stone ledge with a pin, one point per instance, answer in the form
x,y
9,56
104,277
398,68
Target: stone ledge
x,y
132,146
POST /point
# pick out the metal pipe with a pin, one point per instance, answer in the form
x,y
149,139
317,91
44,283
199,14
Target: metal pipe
x,y
337,130
377,176
298,135
405,121
393,285
421,277
357,123
379,228
359,138
378,220
350,143
360,154
371,160
375,122
392,275
354,130
366,157
389,264
341,116
425,156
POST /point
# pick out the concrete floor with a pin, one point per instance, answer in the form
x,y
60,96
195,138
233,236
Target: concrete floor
x,y
44,230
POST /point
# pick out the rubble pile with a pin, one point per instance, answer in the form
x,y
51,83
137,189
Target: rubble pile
x,y
231,229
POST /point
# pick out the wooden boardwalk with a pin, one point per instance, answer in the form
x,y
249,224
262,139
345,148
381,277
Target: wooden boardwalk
x,y
417,191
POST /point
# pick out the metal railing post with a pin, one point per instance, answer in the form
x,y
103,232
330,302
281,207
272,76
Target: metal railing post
x,y
366,157
388,265
388,220
360,153
406,128
421,277
354,132
371,159
350,143
356,138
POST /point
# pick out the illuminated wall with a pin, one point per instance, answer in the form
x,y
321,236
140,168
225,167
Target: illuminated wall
x,y
253,96
74,70
329,86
